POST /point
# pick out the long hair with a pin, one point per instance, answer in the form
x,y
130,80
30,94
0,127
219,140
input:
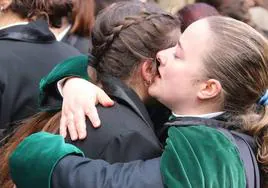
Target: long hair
x,y
80,13
44,121
238,58
83,17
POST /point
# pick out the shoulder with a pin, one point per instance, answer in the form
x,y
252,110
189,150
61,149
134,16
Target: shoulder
x,y
204,154
119,115
201,137
122,133
118,121
65,45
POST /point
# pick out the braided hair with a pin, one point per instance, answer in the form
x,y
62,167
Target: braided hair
x,y
127,33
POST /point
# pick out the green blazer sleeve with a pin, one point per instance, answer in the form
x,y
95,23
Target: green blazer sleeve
x,y
26,168
75,66
43,160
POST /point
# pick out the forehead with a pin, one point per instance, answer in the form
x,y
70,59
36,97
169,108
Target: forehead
x,y
195,39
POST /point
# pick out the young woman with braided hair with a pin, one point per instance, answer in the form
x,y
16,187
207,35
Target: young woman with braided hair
x,y
126,38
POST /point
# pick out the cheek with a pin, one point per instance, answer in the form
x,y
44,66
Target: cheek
x,y
177,75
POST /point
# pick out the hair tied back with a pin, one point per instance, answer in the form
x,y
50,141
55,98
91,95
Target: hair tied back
x,y
264,99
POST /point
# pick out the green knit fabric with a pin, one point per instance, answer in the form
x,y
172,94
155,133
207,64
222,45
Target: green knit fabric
x,y
75,66
203,157
26,171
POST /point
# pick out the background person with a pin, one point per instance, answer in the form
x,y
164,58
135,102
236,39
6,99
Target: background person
x,y
29,51
72,22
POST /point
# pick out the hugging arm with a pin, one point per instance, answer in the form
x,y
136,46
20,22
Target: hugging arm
x,y
80,96
72,67
57,163
74,171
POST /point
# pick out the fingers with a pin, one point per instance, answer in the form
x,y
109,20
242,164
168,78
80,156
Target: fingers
x,y
77,107
104,99
93,116
75,124
67,122
80,124
71,128
63,125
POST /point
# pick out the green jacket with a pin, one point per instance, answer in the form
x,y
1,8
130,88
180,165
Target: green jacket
x,y
200,156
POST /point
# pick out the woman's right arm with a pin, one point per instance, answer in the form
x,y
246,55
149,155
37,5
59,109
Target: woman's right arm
x,y
74,171
62,165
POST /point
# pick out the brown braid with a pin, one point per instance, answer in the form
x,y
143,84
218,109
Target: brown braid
x,y
128,33
128,22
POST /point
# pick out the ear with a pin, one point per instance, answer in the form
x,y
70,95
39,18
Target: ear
x,y
147,71
209,89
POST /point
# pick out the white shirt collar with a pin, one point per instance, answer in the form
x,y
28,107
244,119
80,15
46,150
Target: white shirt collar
x,y
63,33
208,116
11,25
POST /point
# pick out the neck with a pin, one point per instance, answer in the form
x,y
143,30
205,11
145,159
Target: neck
x,y
8,18
142,95
139,89
64,25
197,109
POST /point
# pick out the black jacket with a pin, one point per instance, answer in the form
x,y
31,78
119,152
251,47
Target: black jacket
x,y
83,44
74,171
28,52
126,132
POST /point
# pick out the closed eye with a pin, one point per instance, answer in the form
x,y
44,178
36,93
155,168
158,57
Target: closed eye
x,y
176,56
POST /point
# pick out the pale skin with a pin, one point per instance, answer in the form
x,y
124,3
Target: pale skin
x,y
194,94
182,84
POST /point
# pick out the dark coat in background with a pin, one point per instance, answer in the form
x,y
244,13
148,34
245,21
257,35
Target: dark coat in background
x,y
126,133
83,44
28,52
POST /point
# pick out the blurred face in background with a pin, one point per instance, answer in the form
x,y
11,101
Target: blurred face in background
x,y
259,2
237,9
